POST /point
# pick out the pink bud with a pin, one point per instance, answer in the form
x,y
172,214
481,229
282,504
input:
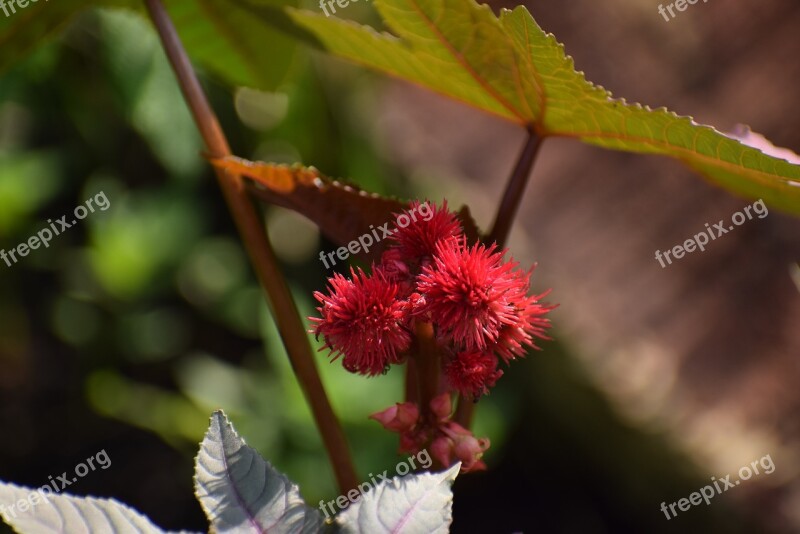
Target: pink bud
x,y
468,449
398,418
477,465
441,449
409,443
442,406
454,430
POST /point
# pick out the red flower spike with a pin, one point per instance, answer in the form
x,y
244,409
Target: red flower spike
x,y
363,320
419,238
472,373
398,418
469,293
479,308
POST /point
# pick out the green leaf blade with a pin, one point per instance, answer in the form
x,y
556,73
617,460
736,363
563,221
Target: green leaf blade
x,y
428,48
229,40
510,67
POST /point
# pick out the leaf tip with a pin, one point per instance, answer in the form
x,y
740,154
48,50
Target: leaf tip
x,y
450,474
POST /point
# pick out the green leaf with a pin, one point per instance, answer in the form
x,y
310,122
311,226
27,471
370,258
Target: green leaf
x,y
229,40
241,492
22,31
46,512
413,503
510,67
219,34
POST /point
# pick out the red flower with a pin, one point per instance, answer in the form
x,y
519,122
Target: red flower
x,y
363,320
472,373
470,293
419,238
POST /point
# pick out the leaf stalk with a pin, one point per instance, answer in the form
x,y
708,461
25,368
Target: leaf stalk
x,y
253,233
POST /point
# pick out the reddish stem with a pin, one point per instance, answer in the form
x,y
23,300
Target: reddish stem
x,y
427,363
412,381
252,231
512,197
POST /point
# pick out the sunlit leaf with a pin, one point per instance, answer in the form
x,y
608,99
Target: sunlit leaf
x,y
510,67
241,492
409,504
45,512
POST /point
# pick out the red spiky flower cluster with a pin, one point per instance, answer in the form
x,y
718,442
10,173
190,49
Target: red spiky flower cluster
x,y
476,301
363,320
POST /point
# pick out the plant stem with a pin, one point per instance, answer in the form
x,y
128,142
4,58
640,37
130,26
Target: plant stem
x,y
427,366
252,231
412,380
512,197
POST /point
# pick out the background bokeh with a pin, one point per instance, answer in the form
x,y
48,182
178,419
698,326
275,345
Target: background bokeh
x,y
134,325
